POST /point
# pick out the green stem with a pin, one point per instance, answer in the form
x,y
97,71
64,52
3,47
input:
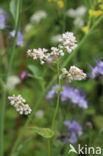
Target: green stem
x,y
49,147
3,105
2,113
39,103
15,37
58,97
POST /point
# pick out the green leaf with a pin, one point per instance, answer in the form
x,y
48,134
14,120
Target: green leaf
x,y
36,72
13,8
44,132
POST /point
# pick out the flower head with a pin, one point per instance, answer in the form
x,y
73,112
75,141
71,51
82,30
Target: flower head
x,y
97,71
20,38
19,103
95,13
56,52
52,92
74,73
39,53
23,75
39,114
12,82
75,95
85,29
79,22
60,3
38,16
2,19
68,42
74,130
75,13
55,39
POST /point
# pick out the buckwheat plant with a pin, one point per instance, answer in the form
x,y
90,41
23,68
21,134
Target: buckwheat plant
x,y
67,43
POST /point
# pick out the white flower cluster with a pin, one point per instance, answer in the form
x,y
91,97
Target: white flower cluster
x,y
36,17
39,114
39,54
19,103
74,73
56,52
77,14
12,81
68,42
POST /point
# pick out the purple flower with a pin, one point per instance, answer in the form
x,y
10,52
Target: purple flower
x,y
2,19
97,70
51,93
76,96
23,75
20,38
74,130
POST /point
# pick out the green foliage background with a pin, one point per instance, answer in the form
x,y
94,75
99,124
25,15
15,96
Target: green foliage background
x,y
32,88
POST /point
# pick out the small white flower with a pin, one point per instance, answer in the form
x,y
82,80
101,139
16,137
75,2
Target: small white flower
x,y
28,27
39,53
79,12
39,114
79,22
68,42
55,39
74,73
12,82
19,103
37,16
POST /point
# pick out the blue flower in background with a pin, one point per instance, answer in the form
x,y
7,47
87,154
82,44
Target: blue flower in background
x,y
74,130
76,96
2,19
97,70
20,38
51,93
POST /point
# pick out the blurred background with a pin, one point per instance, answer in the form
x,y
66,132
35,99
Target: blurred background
x,y
80,117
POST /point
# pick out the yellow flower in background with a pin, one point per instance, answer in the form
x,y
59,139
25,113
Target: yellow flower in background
x,y
85,29
94,13
60,3
97,13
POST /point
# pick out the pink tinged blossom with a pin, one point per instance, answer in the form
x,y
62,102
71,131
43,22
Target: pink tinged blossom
x,y
19,104
67,42
74,73
41,54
